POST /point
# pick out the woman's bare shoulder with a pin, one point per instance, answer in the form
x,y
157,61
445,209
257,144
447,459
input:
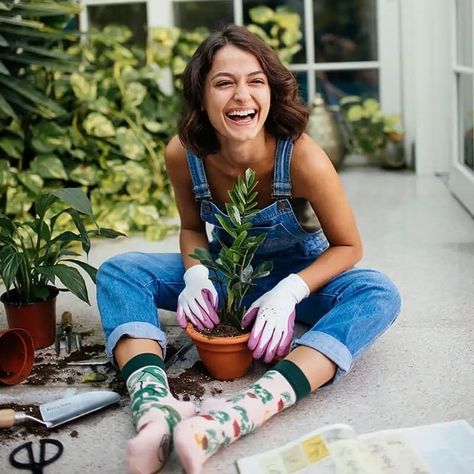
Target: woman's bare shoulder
x,y
175,151
309,157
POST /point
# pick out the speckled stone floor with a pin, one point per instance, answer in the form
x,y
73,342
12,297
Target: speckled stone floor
x,y
421,371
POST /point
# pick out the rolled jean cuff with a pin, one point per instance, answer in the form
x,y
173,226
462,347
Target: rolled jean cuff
x,y
331,348
136,331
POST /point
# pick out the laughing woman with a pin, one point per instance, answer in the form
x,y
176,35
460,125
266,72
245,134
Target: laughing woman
x,y
242,111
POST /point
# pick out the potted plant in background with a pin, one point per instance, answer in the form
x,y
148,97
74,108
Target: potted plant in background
x,y
33,255
225,356
371,133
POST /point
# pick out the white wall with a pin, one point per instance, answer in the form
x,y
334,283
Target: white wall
x,y
426,82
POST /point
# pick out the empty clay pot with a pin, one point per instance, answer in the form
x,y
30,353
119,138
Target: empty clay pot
x,y
16,356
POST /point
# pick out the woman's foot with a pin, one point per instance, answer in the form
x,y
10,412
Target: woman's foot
x,y
155,413
221,422
149,450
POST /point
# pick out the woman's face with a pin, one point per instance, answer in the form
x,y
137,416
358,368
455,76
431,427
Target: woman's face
x,y
237,95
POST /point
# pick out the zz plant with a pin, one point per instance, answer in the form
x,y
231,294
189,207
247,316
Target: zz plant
x,y
232,268
33,254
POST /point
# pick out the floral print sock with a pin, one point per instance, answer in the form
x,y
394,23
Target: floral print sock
x,y
155,413
221,422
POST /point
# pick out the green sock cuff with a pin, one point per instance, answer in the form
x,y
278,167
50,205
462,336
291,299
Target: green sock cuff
x,y
295,377
139,361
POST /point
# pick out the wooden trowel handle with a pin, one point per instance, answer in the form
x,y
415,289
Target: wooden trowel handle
x,y
7,418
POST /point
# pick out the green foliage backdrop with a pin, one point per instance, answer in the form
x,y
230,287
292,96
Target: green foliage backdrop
x,y
95,116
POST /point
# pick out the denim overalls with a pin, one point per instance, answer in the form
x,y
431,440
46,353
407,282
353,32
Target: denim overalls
x,y
344,317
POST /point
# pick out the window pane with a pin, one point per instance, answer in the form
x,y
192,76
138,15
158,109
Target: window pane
x,y
294,5
132,15
333,85
302,79
345,30
464,32
211,14
466,130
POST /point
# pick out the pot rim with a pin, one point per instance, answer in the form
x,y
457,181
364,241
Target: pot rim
x,y
223,340
53,293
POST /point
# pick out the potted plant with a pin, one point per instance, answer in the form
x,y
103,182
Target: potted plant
x,y
33,255
223,350
371,133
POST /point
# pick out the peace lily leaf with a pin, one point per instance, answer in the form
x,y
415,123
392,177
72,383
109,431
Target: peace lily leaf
x,y
98,125
89,269
69,277
76,198
9,268
48,166
5,173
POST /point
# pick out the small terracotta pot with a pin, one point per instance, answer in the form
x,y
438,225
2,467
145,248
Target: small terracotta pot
x,y
225,358
16,356
38,319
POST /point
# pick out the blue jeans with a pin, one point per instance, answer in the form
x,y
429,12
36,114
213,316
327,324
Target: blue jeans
x,y
344,317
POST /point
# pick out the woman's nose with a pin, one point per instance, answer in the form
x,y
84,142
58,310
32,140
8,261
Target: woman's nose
x,y
241,93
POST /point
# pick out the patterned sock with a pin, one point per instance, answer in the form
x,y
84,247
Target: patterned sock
x,y
155,413
221,422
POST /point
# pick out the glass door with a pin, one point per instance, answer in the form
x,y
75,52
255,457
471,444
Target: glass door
x,y
462,171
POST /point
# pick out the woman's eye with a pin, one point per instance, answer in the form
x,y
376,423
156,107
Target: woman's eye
x,y
223,83
258,81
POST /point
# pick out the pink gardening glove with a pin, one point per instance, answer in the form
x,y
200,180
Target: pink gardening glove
x,y
274,314
197,303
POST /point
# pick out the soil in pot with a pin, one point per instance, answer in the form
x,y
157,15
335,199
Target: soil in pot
x,y
225,357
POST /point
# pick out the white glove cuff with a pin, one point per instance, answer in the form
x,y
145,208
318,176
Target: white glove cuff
x,y
295,285
195,273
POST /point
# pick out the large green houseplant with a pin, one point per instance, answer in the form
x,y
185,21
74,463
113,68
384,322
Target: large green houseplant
x,y
233,271
33,255
373,133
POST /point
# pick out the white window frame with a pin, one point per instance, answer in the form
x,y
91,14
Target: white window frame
x,y
160,13
461,178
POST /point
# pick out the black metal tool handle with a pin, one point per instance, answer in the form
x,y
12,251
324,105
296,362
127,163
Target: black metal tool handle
x,y
36,467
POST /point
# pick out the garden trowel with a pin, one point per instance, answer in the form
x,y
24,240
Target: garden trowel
x,y
60,411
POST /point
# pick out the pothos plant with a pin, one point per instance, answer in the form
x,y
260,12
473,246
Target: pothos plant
x,y
232,269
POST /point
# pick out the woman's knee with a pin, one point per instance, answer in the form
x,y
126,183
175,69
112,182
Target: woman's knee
x,y
119,265
384,292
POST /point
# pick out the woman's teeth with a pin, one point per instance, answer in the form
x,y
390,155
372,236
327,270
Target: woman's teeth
x,y
239,115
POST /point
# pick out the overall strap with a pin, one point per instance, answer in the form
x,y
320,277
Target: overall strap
x,y
281,173
198,175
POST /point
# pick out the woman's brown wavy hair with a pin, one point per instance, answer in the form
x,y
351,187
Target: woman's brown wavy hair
x,y
287,117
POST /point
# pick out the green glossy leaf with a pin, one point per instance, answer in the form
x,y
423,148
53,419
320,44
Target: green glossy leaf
x,y
69,277
89,269
9,266
76,198
31,181
227,226
5,107
107,233
43,203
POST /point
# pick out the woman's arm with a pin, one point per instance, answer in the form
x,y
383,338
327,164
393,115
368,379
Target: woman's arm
x,y
315,179
193,229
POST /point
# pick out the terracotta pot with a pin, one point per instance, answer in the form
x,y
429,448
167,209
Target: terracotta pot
x,y
225,358
38,319
16,356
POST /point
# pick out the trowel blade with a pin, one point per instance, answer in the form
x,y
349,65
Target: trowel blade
x,y
66,409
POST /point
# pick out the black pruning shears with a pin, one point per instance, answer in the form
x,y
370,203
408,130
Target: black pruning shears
x,y
17,456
